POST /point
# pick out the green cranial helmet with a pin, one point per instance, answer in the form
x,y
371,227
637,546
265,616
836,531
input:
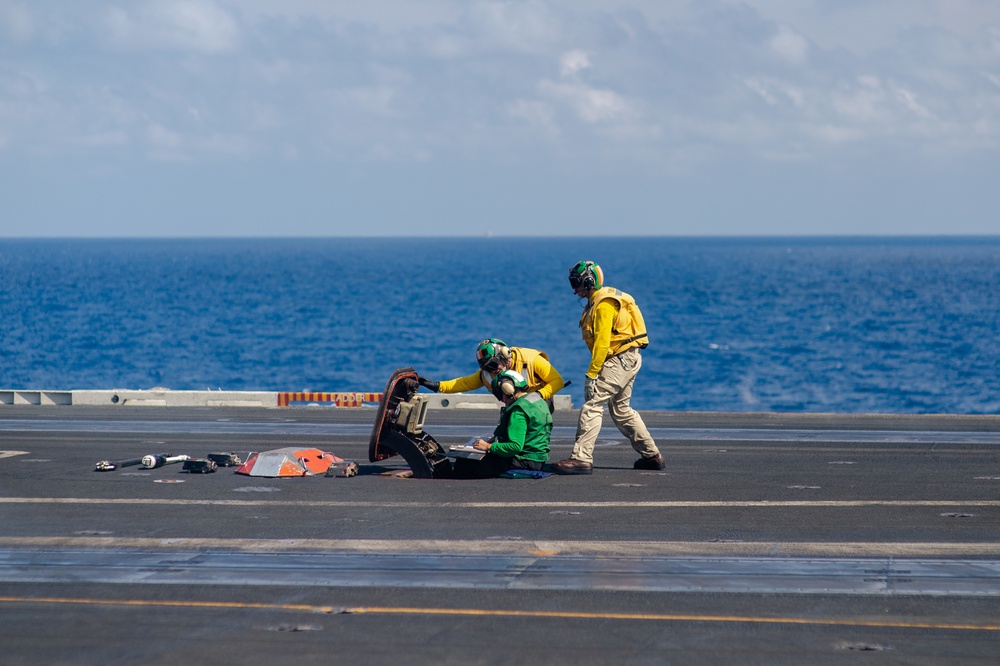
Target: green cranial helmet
x,y
586,274
490,353
507,383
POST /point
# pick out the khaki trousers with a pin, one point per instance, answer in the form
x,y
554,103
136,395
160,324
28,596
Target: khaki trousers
x,y
614,389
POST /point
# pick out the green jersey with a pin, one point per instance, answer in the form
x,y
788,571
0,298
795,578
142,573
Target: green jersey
x,y
524,430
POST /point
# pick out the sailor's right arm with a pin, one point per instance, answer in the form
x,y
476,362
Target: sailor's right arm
x,y
461,384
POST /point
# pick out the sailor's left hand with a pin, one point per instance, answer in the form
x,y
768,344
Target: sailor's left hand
x,y
482,445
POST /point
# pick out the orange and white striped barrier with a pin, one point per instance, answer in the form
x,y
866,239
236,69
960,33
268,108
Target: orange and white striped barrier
x,y
339,399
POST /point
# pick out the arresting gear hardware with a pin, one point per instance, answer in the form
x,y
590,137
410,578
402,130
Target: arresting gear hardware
x,y
398,429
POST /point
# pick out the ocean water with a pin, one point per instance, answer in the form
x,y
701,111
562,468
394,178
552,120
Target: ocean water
x,y
778,324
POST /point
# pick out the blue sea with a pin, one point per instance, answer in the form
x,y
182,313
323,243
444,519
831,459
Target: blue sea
x,y
846,325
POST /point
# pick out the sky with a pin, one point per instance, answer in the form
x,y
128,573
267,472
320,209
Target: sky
x,y
192,118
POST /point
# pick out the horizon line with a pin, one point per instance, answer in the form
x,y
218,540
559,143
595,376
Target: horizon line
x,y
488,236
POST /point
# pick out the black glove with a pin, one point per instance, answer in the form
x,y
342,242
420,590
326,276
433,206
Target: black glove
x,y
428,383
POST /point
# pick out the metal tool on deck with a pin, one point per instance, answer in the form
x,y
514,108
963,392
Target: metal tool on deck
x,y
226,458
199,466
160,459
111,465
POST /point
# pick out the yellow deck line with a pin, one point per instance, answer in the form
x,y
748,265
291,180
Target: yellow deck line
x,y
475,612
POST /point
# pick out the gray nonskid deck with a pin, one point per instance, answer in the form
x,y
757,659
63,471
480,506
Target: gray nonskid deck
x,y
560,432
862,576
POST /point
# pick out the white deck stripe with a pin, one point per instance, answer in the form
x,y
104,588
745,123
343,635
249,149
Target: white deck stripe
x,y
527,546
666,504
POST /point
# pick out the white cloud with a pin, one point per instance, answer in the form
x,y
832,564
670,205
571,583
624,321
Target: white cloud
x,y
273,72
835,134
909,100
17,22
113,138
221,144
167,145
664,86
376,100
181,25
591,105
790,45
267,117
763,90
539,115
289,152
864,103
447,46
529,26
628,71
776,93
162,138
389,15
573,62
889,109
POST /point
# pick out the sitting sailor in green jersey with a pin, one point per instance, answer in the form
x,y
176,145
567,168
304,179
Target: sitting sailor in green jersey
x,y
520,440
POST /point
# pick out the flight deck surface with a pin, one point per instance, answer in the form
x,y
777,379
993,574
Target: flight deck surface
x,y
767,538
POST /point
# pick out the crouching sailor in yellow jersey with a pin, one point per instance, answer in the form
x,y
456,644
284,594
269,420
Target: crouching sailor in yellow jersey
x,y
494,356
613,328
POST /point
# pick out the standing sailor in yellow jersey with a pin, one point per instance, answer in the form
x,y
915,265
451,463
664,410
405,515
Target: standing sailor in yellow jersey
x,y
613,328
493,357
